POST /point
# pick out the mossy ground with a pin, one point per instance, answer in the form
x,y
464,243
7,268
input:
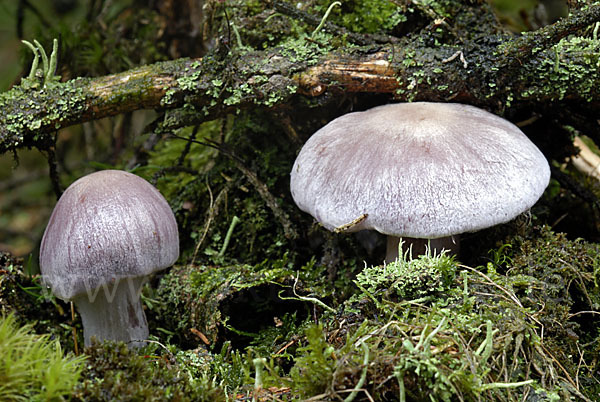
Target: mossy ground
x,y
259,313
522,326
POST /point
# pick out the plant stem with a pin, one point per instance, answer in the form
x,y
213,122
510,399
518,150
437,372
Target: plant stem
x,y
420,246
234,222
363,376
320,26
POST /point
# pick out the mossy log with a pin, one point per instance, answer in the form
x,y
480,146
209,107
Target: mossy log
x,y
552,71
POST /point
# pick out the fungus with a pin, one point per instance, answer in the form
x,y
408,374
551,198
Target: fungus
x,y
418,171
108,232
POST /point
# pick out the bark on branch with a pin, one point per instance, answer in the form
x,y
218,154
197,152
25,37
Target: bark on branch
x,y
546,67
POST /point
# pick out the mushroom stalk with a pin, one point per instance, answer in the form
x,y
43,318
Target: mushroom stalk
x,y
114,311
416,247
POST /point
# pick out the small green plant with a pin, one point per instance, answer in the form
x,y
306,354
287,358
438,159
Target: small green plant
x,y
32,367
420,359
315,364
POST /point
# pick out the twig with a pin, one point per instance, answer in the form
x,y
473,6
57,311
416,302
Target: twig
x,y
313,300
461,57
51,154
211,212
188,146
583,312
156,342
287,345
25,4
547,352
350,225
491,282
526,46
285,122
262,189
493,385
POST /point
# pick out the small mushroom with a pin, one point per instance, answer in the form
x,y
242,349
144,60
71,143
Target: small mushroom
x,y
108,232
418,170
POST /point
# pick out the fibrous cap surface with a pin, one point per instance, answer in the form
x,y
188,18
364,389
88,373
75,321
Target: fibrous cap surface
x,y
107,226
423,170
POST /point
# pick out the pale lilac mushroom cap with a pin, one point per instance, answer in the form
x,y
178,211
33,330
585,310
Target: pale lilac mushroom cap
x,y
109,231
418,170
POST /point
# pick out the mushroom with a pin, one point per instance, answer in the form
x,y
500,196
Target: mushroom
x,y
108,232
420,170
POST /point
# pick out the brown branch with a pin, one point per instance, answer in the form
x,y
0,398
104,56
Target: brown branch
x,y
191,91
373,74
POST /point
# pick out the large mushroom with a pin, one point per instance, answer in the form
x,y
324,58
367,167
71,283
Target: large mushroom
x,y
108,232
418,170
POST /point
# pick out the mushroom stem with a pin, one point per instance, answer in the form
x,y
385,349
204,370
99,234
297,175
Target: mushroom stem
x,y
114,312
418,247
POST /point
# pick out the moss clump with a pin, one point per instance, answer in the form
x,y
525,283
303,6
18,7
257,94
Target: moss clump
x,y
365,16
409,278
202,299
314,365
116,372
32,367
28,299
559,280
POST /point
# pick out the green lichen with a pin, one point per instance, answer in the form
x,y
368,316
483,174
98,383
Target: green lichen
x,y
40,110
306,51
233,83
66,102
568,67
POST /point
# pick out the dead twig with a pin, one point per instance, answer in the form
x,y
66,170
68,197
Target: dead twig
x,y
213,211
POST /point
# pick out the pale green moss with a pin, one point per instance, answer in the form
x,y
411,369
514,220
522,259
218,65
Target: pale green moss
x,y
32,367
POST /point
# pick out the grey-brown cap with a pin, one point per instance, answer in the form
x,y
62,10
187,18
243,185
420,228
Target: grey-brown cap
x,y
107,226
423,170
